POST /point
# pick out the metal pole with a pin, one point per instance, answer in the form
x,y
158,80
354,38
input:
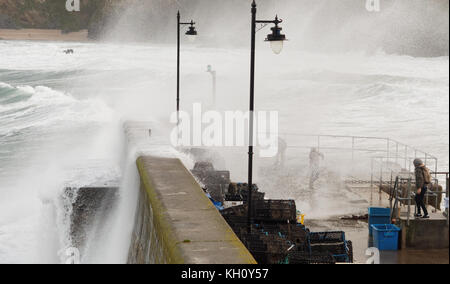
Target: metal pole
x,y
178,73
353,154
437,194
371,181
391,182
435,168
409,200
396,153
446,193
406,156
214,87
213,74
381,175
251,118
388,150
409,167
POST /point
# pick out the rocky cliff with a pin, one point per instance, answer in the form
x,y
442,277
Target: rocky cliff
x,y
48,14
94,15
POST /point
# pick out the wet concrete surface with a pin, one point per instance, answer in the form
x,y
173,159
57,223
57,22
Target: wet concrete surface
x,y
358,232
438,256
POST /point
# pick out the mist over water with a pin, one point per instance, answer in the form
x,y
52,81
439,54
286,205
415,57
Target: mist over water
x,y
406,27
62,117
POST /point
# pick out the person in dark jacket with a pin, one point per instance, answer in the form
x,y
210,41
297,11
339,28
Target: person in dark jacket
x,y
422,188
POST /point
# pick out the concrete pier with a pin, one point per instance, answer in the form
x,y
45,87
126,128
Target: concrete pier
x,y
425,234
176,223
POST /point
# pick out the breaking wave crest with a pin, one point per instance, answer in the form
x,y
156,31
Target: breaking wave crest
x,y
27,106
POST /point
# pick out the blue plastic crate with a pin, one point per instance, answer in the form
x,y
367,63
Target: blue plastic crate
x,y
378,215
385,237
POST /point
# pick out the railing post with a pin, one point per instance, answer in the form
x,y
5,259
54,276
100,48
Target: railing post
x,y
409,201
390,184
409,168
388,150
446,194
427,195
381,175
435,167
437,195
406,155
353,153
396,153
371,180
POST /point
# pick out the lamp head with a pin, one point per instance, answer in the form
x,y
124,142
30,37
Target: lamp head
x,y
191,33
276,38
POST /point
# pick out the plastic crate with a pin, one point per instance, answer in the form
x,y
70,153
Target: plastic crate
x,y
378,215
385,237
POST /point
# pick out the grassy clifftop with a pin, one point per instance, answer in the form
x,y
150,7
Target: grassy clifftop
x,y
49,14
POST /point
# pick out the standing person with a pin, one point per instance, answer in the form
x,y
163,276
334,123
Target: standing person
x,y
314,166
281,155
423,179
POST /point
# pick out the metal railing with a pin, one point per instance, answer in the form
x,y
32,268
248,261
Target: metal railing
x,y
388,158
396,196
390,155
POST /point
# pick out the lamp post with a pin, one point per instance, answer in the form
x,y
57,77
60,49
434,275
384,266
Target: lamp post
x,y
213,74
276,39
191,33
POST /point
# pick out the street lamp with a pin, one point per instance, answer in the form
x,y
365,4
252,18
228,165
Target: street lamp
x,y
213,73
276,40
191,34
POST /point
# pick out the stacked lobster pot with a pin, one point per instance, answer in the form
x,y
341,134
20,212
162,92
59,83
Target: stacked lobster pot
x,y
273,236
273,232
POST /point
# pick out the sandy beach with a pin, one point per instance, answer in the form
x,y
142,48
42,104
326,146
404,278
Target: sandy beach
x,y
41,34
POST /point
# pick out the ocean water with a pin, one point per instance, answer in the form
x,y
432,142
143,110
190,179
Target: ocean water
x,y
61,119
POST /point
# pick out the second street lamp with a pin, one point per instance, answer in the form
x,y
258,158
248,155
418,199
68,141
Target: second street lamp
x,y
276,39
192,34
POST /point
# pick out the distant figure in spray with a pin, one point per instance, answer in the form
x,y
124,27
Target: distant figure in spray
x,y
423,179
314,166
281,155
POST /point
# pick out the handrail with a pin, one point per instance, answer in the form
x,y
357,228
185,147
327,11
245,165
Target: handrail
x,y
392,151
387,139
410,195
387,155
